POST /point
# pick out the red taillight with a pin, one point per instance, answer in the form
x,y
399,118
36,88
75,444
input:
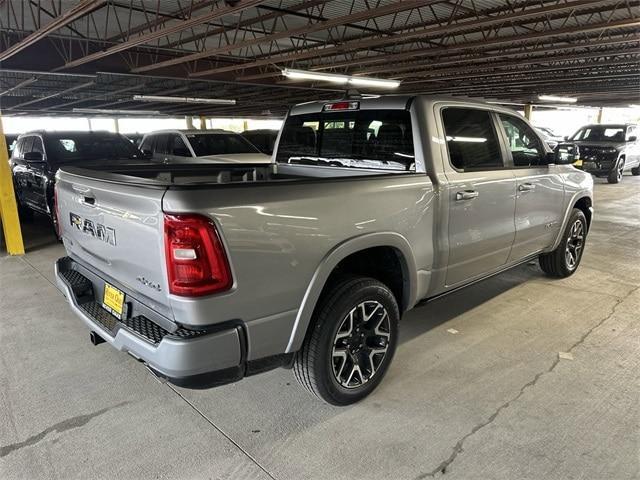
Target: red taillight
x,y
332,107
196,261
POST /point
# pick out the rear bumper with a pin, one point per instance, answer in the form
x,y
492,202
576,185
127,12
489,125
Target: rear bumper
x,y
193,359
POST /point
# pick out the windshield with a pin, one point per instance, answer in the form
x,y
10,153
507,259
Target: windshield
x,y
205,144
377,139
600,133
69,147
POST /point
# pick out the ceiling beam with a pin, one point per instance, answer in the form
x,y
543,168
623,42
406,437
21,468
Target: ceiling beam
x,y
360,16
162,32
81,9
24,83
53,95
420,33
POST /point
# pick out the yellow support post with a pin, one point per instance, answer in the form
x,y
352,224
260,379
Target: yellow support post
x,y
8,206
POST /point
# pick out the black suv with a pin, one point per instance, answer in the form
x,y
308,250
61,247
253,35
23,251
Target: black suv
x,y
608,150
37,156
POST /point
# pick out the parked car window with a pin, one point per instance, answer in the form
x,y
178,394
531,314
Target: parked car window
x,y
148,143
18,149
26,146
68,147
177,146
161,145
600,133
37,145
631,132
204,144
525,146
471,139
356,139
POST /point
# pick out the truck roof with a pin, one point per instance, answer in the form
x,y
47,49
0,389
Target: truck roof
x,y
391,102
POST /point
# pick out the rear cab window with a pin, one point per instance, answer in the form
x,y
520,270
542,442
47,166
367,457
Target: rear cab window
x,y
373,139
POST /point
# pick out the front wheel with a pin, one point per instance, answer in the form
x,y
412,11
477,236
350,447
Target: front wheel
x,y
615,175
564,260
351,343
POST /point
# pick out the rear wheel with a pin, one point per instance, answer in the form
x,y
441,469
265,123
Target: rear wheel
x,y
351,343
615,175
564,260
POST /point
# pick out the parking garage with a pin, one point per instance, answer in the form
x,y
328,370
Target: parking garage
x,y
240,179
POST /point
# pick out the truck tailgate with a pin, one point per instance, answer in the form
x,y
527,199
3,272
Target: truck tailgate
x,y
117,231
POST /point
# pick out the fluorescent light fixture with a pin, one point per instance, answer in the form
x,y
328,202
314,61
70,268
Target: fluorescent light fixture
x,y
374,82
116,112
163,99
553,98
634,106
304,75
340,79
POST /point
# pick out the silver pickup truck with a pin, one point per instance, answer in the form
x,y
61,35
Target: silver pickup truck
x,y
210,273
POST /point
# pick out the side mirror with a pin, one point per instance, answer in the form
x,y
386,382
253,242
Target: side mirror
x,y
566,154
33,157
633,138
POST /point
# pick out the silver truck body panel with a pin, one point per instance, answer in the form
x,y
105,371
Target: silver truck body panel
x,y
284,238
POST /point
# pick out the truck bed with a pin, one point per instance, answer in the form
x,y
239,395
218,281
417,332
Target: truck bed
x,y
184,175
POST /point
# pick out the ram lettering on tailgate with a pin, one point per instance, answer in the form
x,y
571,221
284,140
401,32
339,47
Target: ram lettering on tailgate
x,y
93,229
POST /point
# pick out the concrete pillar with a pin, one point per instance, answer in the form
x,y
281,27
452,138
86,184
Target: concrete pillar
x,y
203,122
189,120
245,125
116,125
528,111
89,123
599,115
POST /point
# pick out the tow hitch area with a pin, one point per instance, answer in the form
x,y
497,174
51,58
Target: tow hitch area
x,y
96,339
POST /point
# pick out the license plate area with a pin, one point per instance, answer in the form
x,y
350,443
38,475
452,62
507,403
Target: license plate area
x,y
113,301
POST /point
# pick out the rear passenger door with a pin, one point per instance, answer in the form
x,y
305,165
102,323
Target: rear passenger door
x,y
38,177
481,195
540,190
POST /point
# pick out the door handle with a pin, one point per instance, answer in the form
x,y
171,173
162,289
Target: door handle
x,y
526,187
88,200
466,195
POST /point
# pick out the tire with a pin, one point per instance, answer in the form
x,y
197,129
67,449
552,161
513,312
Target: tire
x,y
564,260
615,175
635,171
326,363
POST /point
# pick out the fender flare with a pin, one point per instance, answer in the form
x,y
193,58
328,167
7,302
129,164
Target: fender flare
x,y
333,258
574,199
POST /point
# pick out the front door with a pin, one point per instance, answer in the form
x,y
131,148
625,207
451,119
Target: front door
x,y
481,193
540,190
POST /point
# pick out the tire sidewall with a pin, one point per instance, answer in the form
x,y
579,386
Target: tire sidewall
x,y
330,318
575,215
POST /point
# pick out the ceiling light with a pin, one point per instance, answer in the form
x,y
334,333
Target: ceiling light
x,y
115,112
553,98
374,82
159,98
303,75
341,79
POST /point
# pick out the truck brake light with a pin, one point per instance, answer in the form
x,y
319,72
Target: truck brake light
x,y
332,107
196,260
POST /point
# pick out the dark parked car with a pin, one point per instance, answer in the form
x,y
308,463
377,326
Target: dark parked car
x,y
37,156
264,140
608,150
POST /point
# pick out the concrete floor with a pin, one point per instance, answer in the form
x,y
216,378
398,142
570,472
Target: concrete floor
x,y
492,401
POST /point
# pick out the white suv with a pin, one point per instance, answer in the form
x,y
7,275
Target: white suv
x,y
201,146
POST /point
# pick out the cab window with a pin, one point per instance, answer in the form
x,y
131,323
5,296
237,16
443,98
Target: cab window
x,y
525,146
471,139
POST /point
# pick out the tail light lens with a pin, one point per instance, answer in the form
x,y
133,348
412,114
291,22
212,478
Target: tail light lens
x,y
196,260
